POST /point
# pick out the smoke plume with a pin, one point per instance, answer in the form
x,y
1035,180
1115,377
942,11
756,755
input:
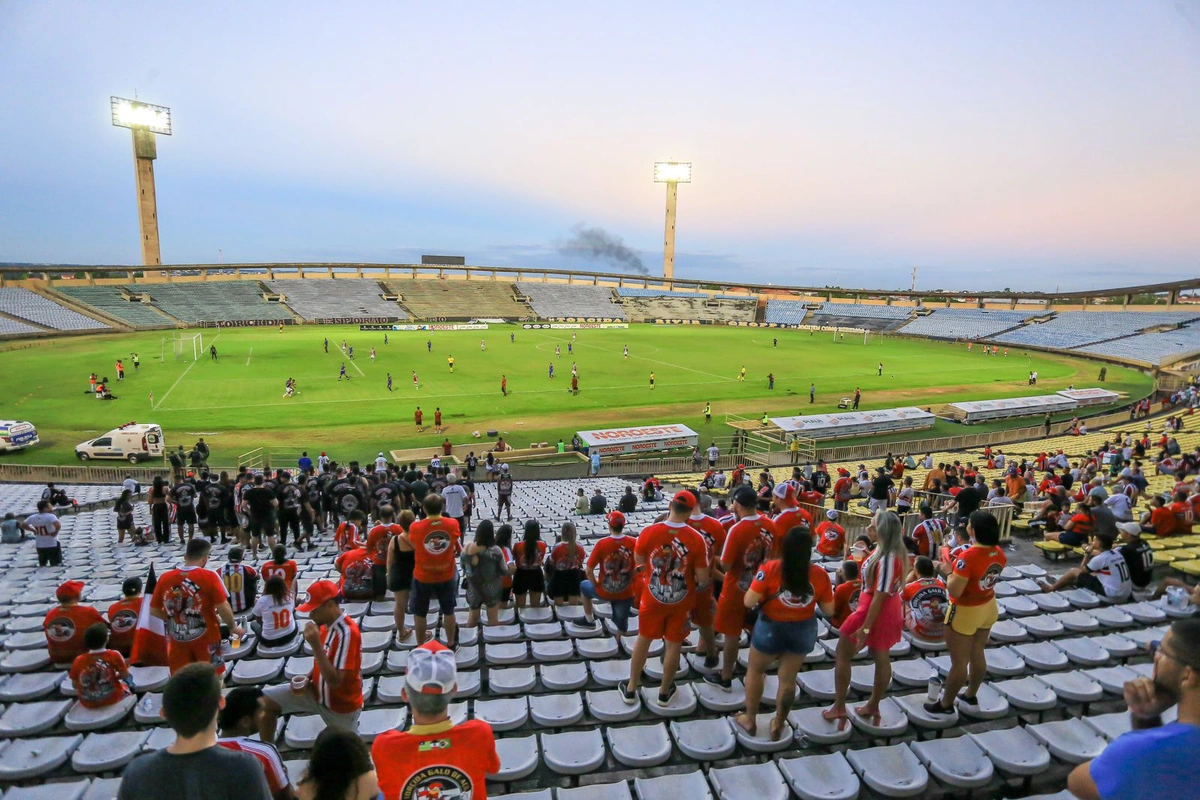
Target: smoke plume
x,y
598,244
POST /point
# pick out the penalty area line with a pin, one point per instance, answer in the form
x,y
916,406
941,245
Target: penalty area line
x,y
163,399
248,356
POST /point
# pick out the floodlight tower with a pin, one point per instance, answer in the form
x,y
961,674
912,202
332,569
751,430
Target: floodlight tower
x,y
145,120
672,173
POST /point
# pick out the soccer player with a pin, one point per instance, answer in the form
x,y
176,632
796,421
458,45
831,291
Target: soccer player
x,y
343,374
812,393
429,345
450,362
483,345
372,355
708,412
137,361
742,374
238,721
120,370
626,352
880,368
193,603
437,419
770,380
652,380
504,385
570,348
66,623
575,383
512,338
350,352
385,339
416,382
551,370
857,397
326,345
389,381
212,352
673,560
419,419
557,351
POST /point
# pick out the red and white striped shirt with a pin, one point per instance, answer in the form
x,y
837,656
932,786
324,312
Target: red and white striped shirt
x,y
267,755
343,644
884,574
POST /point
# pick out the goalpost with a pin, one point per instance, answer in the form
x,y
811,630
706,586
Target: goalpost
x,y
181,343
840,336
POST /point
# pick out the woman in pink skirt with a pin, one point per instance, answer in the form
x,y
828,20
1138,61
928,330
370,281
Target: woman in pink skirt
x,y
878,622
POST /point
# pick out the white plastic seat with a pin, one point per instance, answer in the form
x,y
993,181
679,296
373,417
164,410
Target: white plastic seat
x,y
374,721
103,789
892,720
371,623
1073,687
690,785
957,761
255,671
63,790
29,686
1069,740
387,689
627,643
27,640
302,730
28,719
159,739
469,683
573,752
286,649
372,662
504,714
639,745
513,680
913,706
564,677
704,740
1009,630
557,650
681,705
862,678
810,725
1051,602
1110,726
1028,694
608,706
1019,606
148,710
892,770
104,752
495,634
715,698
1145,613
556,710
758,781
817,683
1083,651
298,665
80,718
1003,661
1118,645
535,615
1112,617
924,645
1079,621
518,758
989,704
1081,598
596,649
1024,585
149,679
24,661
654,668
1111,679
825,777
1042,626
597,791
1041,655
543,631
911,672
31,758
608,673
761,741
506,653
465,657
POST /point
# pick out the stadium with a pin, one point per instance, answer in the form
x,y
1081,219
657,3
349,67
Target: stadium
x,y
560,532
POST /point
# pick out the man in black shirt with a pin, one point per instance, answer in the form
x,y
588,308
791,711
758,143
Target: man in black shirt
x,y
212,509
184,495
881,490
259,504
418,488
291,499
628,501
969,499
820,479
345,496
598,504
1138,555
194,765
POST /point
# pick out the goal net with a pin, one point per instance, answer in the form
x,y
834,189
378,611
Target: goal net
x,y
852,336
187,346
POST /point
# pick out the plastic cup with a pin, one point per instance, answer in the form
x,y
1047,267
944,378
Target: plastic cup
x,y
299,684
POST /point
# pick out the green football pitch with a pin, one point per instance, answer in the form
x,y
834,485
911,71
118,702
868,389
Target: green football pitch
x,y
237,403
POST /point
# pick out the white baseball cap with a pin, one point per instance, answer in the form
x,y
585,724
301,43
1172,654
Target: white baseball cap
x,y
431,669
504,467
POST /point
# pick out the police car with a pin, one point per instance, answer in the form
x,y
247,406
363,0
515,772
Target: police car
x,y
16,435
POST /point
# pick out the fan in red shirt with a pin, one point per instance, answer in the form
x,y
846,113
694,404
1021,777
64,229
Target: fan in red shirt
x,y
357,581
238,722
613,557
1183,512
704,612
98,674
123,616
673,559
830,536
845,596
924,603
66,624
346,537
788,513
753,540
192,602
434,758
280,566
436,545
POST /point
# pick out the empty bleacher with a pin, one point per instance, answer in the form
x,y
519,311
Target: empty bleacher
x,y
112,300
625,291
857,315
645,307
30,306
785,312
213,301
9,327
431,299
323,298
965,323
1151,348
1071,329
554,300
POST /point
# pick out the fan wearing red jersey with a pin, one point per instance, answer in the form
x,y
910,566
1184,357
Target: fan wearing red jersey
x,y
705,610
334,690
123,616
673,560
613,557
378,540
434,758
924,602
788,513
830,536
238,722
752,541
66,623
436,545
280,566
347,536
193,603
99,674
357,582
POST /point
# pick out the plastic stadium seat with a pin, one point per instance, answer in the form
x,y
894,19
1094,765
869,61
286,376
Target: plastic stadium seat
x,y
715,698
690,785
559,650
1019,606
1051,603
1111,679
255,671
893,770
1079,621
704,740
1007,631
70,790
596,649
518,758
627,643
104,752
374,721
825,777
1110,726
1023,585
597,791
654,668
148,710
149,679
30,758
555,710
94,719
913,706
912,672
608,673
1145,613
31,640
160,738
1083,651
495,634
1063,795
810,725
388,689
1028,694
1117,645
466,656
564,677
759,781
505,714
892,721
1081,598
29,686
507,653
681,705
574,752
25,660
1069,740
1073,687
640,745
817,683
537,615
513,680
957,761
302,730
608,706
1042,655
1112,617
103,789
286,649
545,794
27,719
372,662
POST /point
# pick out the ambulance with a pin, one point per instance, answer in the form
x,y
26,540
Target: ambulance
x,y
16,435
132,442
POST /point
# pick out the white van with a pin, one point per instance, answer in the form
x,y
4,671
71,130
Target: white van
x,y
16,435
132,442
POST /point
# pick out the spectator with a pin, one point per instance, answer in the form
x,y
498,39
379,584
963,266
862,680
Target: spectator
x,y
10,529
193,603
193,766
357,582
1104,572
1138,554
883,490
99,675
581,502
831,537
238,721
613,557
973,612
123,616
628,502
66,623
334,690
401,561
924,602
339,768
1153,760
598,503
787,592
434,757
44,526
565,571
436,545
454,498
240,580
845,596
529,580
276,611
484,566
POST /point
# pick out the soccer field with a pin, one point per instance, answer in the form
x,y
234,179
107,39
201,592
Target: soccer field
x,y
237,403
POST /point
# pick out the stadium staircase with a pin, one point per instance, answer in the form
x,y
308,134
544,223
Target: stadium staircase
x,y
83,308
119,303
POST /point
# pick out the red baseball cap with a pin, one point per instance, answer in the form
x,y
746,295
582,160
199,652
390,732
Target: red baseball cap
x,y
685,498
615,519
319,593
785,491
70,590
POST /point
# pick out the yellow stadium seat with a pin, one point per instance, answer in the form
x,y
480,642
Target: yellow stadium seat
x,y
1188,567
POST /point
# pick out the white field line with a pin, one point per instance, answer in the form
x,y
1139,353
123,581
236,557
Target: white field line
x,y
163,399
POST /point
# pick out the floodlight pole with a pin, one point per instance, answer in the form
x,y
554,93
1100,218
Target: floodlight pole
x,y
669,235
145,150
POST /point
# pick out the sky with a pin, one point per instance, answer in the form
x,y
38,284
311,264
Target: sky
x,y
1018,144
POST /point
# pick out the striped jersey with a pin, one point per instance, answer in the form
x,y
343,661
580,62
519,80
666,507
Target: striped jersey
x,y
240,582
884,574
343,644
267,755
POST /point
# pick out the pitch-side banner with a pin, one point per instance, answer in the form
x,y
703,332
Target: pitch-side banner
x,y
557,326
435,326
856,423
1090,397
980,410
614,441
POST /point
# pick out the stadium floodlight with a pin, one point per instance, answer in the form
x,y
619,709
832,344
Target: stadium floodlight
x,y
144,120
672,173
136,115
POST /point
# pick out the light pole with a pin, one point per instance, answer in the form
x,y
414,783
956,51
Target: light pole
x,y
145,120
672,173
